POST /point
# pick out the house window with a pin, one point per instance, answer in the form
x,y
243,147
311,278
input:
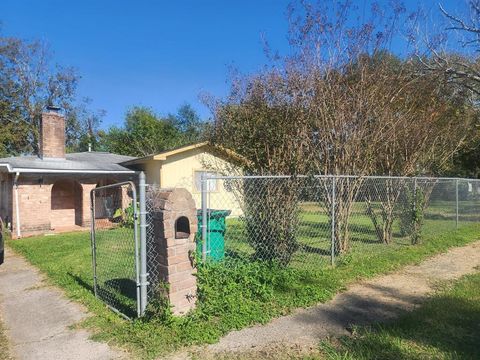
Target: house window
x,y
211,184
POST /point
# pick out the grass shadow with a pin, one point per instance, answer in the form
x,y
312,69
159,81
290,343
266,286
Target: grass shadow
x,y
446,326
81,282
120,294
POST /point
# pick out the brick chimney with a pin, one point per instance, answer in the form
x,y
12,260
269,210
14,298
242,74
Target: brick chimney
x,y
52,134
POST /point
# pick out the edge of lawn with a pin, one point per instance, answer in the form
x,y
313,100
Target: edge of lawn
x,y
5,351
149,340
445,326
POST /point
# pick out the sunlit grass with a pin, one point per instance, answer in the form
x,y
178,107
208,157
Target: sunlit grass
x,y
445,327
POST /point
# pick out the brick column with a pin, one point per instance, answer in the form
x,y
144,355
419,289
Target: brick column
x,y
175,245
86,212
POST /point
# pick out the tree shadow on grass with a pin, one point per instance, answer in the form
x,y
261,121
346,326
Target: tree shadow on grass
x,y
81,282
314,250
363,240
445,323
239,255
118,293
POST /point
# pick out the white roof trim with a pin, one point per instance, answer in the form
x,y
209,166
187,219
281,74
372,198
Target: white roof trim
x,y
64,171
5,165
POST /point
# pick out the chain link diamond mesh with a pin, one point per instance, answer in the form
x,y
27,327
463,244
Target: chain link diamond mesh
x,y
152,250
114,211
310,222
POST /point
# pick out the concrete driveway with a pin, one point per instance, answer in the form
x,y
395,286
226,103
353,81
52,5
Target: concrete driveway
x,y
38,318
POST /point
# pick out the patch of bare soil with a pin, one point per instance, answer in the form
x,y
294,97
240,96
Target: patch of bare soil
x,y
367,302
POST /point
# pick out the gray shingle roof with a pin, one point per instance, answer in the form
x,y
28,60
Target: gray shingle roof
x,y
74,162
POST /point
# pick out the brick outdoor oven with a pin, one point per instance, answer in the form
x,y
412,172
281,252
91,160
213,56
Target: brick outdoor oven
x,y
175,225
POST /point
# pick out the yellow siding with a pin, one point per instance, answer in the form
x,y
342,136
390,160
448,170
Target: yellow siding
x,y
152,172
178,171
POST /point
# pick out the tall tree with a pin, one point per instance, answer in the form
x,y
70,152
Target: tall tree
x,y
455,57
144,133
188,122
29,82
458,61
342,105
83,127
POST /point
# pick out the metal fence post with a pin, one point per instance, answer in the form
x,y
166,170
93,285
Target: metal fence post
x,y
204,189
333,221
456,204
415,195
92,238
143,244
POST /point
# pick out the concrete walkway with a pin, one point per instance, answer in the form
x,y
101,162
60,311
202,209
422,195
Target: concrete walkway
x,y
371,301
37,317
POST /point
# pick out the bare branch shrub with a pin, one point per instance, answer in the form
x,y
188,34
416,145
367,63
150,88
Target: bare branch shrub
x,y
341,103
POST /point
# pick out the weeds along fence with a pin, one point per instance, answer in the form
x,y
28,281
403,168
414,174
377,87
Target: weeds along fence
x,y
308,222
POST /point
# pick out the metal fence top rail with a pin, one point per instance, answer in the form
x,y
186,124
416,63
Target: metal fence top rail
x,y
116,185
239,177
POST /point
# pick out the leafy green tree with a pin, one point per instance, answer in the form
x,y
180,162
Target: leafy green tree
x,y
143,133
188,122
28,83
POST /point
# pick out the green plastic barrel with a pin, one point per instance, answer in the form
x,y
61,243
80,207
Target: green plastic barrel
x,y
216,227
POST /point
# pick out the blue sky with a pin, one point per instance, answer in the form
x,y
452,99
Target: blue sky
x,y
155,53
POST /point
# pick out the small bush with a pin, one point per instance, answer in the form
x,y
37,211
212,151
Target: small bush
x,y
271,218
412,215
159,307
126,217
235,289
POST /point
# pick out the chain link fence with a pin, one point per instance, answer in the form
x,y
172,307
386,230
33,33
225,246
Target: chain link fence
x,y
311,222
306,223
115,247
153,263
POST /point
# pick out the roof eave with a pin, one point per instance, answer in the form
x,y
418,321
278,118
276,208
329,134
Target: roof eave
x,y
137,160
7,166
10,169
227,154
165,155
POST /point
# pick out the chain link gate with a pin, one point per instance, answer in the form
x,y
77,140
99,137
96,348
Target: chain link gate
x,y
117,230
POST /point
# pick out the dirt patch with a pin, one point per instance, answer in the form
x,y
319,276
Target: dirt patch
x,y
367,302
268,352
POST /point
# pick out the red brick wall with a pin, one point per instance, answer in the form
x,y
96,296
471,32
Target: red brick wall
x,y
52,136
34,205
70,205
66,205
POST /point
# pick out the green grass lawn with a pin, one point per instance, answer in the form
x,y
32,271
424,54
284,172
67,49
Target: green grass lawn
x,y
115,270
314,235
447,326
234,293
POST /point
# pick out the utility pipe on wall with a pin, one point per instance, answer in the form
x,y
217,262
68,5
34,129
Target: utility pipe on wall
x,y
17,206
